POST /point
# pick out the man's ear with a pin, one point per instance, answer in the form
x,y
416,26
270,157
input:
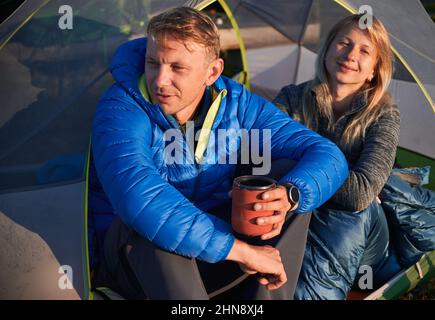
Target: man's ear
x,y
214,71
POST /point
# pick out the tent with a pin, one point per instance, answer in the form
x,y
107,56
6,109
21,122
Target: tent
x,y
52,78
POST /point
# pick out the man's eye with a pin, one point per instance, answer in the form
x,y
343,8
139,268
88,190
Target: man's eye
x,y
151,62
178,68
343,43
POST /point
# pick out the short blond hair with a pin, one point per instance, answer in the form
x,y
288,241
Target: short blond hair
x,y
185,24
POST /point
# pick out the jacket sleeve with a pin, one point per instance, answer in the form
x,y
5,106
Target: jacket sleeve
x,y
369,175
121,144
321,167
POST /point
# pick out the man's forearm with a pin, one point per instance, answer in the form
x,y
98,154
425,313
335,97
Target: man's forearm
x,y
259,259
239,252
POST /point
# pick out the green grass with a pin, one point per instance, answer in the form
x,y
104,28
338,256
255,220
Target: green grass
x,y
406,158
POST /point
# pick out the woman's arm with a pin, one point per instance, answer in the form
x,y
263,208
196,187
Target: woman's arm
x,y
369,175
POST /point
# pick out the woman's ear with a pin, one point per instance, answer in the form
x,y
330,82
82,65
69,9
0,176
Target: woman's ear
x,y
214,71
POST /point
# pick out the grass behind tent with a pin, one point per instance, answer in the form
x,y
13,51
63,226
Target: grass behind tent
x,y
406,158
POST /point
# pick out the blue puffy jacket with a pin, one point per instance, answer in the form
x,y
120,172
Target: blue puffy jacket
x,y
169,203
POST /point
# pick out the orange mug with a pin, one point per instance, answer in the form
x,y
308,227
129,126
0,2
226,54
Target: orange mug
x,y
246,192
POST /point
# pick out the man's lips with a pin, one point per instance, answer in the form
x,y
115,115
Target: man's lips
x,y
163,96
344,67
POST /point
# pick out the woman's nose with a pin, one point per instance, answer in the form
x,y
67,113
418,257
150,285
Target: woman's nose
x,y
351,53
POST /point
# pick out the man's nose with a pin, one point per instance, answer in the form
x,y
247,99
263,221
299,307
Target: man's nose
x,y
163,77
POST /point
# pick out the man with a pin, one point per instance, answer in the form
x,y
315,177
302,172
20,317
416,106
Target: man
x,y
174,205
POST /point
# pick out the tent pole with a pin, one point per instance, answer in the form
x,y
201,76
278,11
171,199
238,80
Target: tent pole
x,y
202,5
246,80
300,42
23,24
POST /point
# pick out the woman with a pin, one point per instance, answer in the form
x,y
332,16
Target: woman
x,y
347,102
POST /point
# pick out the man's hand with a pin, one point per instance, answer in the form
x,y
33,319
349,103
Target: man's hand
x,y
278,202
265,260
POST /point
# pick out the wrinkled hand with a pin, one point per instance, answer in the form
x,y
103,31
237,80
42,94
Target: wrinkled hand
x,y
264,260
278,202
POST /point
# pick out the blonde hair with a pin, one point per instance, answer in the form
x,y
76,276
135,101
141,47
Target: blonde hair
x,y
185,24
376,89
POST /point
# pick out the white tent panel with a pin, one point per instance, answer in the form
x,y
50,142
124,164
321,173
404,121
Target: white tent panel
x,y
41,230
29,267
272,67
417,120
306,66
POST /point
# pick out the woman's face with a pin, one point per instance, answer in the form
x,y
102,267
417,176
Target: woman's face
x,y
351,58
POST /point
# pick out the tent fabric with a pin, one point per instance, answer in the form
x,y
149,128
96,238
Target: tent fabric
x,y
271,67
52,79
10,25
50,83
41,230
65,73
278,13
417,121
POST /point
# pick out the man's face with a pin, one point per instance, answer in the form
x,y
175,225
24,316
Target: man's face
x,y
176,77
